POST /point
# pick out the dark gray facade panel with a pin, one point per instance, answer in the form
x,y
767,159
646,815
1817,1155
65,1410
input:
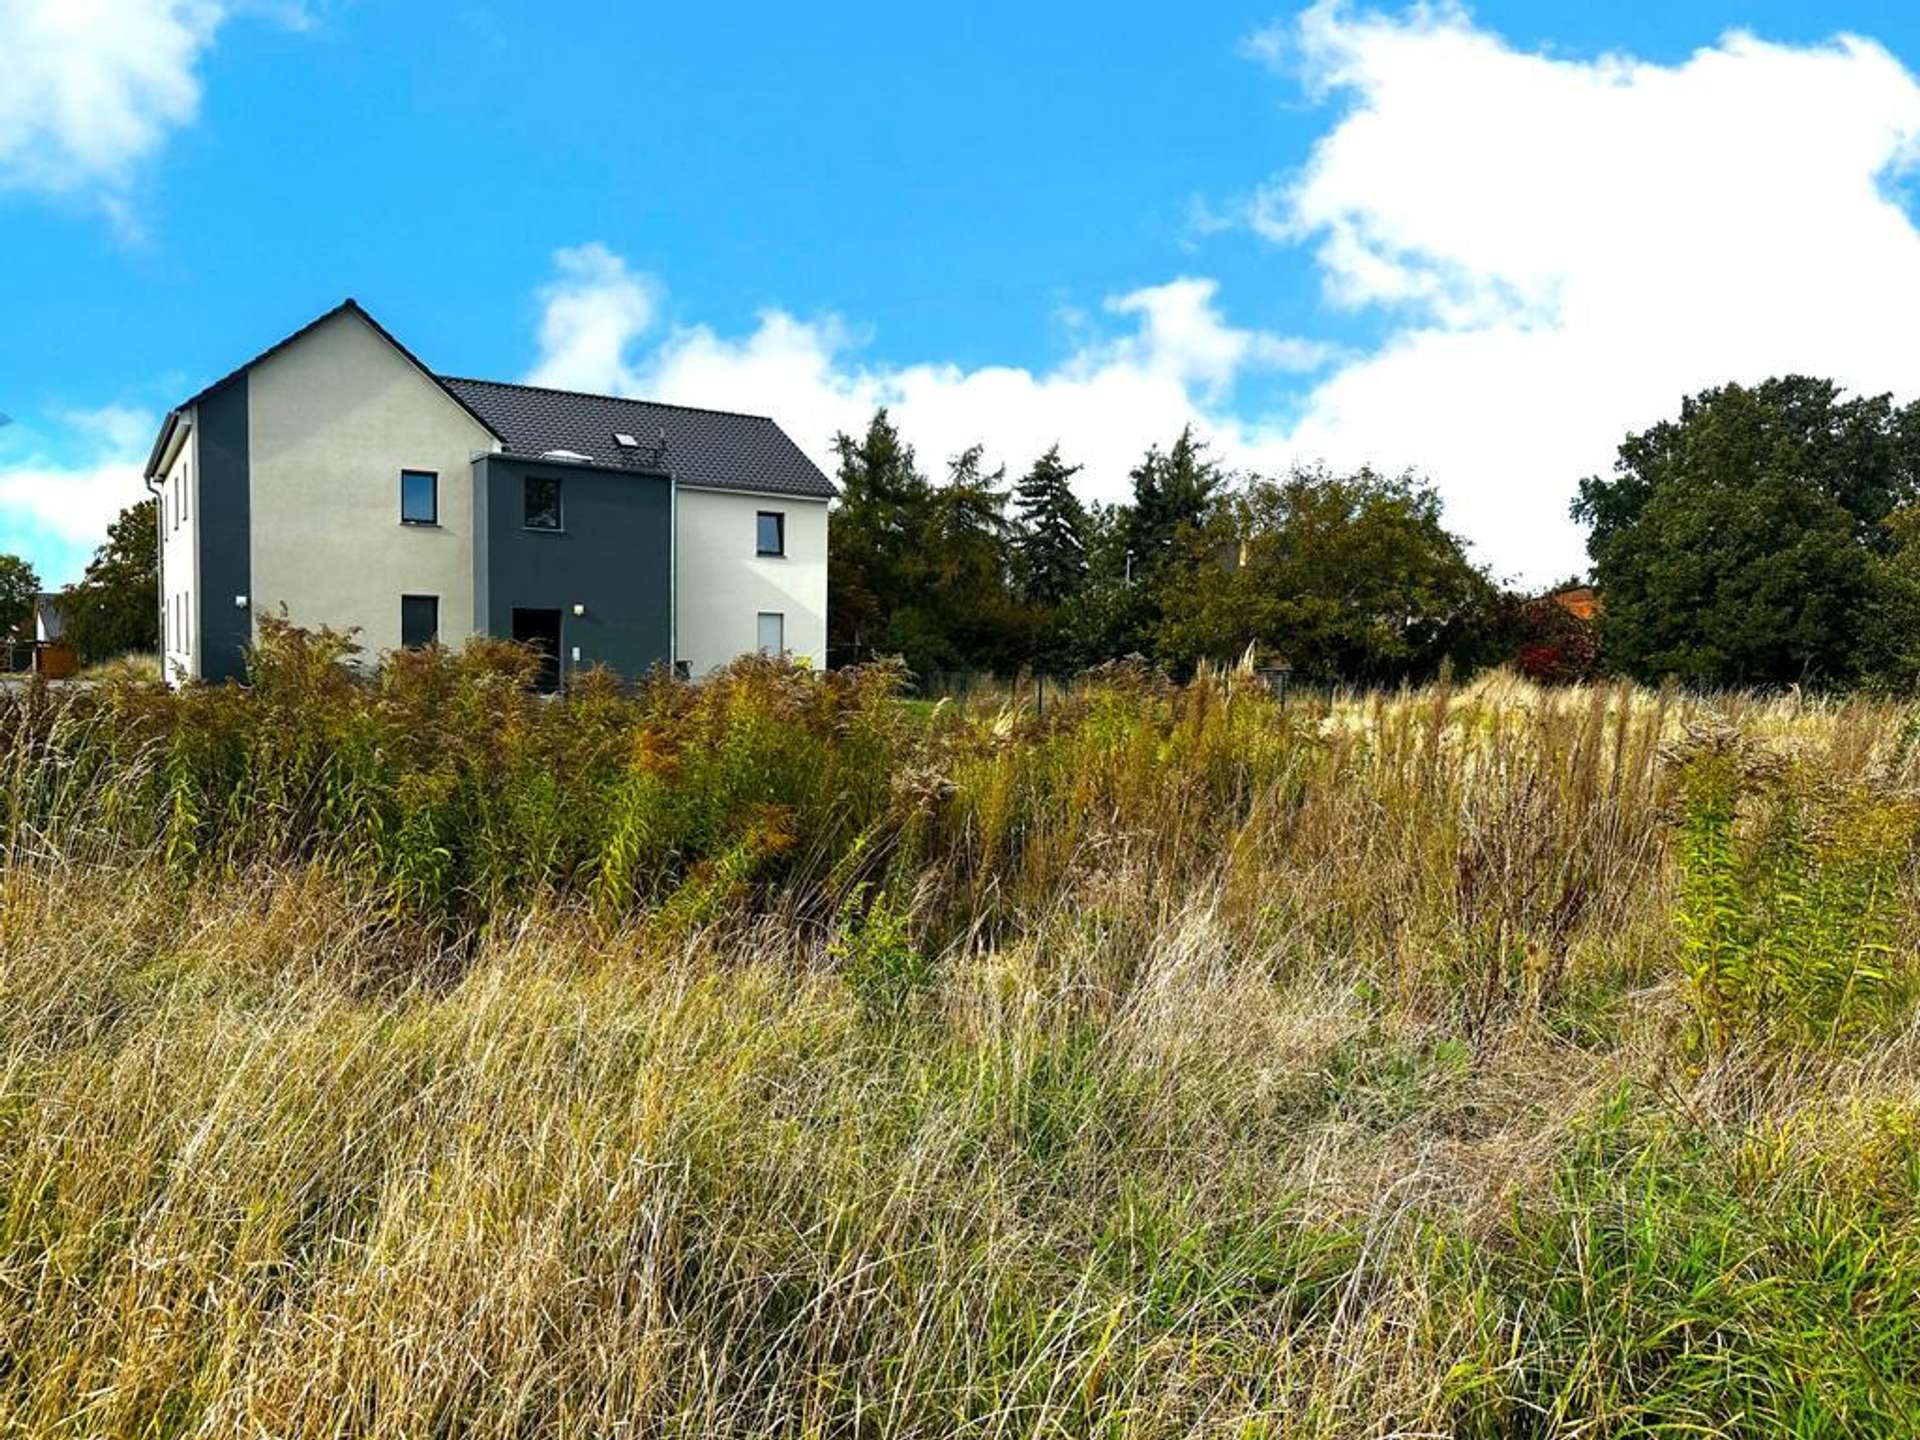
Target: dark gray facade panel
x,y
612,557
226,541
481,529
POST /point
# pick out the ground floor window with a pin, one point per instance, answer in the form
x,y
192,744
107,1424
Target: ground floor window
x,y
419,621
773,633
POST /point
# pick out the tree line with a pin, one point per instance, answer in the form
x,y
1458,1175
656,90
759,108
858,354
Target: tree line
x,y
1766,535
1339,576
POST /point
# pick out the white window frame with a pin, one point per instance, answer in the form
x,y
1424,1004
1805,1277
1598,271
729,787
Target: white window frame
x,y
779,617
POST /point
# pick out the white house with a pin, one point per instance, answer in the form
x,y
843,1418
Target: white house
x,y
338,480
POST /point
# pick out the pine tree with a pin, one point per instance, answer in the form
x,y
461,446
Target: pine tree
x,y
1052,545
1170,492
959,612
871,544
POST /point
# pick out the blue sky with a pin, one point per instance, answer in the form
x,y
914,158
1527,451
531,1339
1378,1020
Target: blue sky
x,y
1481,243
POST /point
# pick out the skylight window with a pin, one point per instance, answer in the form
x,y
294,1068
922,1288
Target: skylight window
x,y
625,441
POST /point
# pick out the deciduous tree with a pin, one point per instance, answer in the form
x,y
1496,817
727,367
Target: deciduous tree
x,y
1342,577
1744,542
19,585
115,608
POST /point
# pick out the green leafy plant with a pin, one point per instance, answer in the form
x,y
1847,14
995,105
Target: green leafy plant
x,y
1789,895
876,954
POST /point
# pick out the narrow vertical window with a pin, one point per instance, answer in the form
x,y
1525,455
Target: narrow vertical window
x,y
419,497
419,621
771,533
773,633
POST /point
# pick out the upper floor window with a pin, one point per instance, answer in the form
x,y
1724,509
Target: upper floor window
x,y
419,497
542,503
771,534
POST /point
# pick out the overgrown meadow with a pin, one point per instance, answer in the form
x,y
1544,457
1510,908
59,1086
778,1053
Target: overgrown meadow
x,y
781,1057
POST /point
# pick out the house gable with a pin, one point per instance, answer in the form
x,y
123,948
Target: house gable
x,y
334,416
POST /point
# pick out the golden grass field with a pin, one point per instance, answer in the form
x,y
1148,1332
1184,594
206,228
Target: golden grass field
x,y
778,1058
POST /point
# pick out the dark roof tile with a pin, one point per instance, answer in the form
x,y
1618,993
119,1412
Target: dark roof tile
x,y
711,448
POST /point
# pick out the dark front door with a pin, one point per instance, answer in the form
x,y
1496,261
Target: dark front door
x,y
541,629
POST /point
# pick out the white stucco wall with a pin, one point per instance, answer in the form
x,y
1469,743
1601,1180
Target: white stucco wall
x,y
180,559
722,586
332,421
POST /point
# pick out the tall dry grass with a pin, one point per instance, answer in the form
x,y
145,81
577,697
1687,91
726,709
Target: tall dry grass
x,y
775,1058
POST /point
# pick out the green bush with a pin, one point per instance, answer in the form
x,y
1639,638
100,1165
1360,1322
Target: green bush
x,y
1790,895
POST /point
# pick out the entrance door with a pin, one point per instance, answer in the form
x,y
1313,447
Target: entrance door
x,y
541,629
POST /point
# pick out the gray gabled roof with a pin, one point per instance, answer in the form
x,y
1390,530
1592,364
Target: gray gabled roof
x,y
714,449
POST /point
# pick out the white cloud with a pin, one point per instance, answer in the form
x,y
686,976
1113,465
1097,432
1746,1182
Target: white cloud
x,y
1174,361
589,315
93,87
56,511
1570,246
121,429
1562,249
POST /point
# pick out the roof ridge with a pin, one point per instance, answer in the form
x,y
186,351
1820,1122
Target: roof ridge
x,y
348,306
599,395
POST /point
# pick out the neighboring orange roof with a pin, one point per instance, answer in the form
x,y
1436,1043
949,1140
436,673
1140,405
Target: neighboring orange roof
x,y
1580,601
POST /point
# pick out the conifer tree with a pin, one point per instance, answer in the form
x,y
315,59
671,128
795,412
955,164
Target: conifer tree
x,y
876,528
1052,544
1170,491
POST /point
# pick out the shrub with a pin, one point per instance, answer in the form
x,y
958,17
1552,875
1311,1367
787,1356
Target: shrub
x,y
876,953
1790,911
